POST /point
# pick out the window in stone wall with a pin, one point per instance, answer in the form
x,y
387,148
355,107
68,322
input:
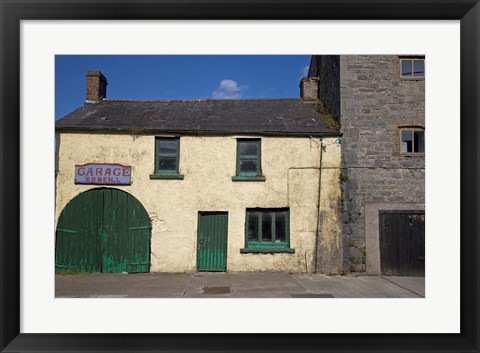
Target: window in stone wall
x,y
412,68
412,140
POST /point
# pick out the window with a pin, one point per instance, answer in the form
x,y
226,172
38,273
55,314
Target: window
x,y
249,160
166,158
412,141
412,68
267,230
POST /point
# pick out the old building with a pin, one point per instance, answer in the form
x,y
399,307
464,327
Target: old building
x,y
331,182
379,101
207,185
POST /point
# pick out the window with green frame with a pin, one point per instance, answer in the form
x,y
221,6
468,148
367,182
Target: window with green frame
x,y
167,152
267,230
249,160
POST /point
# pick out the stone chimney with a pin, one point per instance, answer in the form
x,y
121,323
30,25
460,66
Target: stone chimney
x,y
96,86
309,88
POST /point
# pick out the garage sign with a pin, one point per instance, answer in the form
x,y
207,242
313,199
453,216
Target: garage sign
x,y
103,174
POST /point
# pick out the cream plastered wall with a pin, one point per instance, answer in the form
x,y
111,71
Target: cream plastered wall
x,y
291,168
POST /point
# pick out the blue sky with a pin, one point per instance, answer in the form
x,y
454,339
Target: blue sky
x,y
179,77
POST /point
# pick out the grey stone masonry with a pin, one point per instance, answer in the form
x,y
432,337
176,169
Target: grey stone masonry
x,y
309,88
373,102
327,69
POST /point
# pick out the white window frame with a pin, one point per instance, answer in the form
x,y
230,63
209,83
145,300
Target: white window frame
x,y
412,129
412,77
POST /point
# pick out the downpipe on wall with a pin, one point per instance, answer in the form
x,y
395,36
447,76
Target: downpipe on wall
x,y
322,146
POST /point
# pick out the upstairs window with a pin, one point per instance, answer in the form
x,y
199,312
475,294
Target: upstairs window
x,y
412,68
412,141
267,230
167,151
249,161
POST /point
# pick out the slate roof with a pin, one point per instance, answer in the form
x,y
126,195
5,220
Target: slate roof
x,y
246,116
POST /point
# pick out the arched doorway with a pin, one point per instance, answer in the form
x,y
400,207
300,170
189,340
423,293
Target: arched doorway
x,y
103,230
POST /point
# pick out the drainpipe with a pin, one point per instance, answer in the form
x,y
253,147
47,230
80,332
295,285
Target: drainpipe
x,y
318,214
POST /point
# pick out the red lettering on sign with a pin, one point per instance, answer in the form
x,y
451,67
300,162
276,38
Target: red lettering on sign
x,y
99,173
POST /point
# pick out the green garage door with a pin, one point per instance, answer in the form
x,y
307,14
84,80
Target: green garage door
x,y
103,230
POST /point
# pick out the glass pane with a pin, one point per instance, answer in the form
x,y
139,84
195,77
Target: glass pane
x,y
248,148
248,166
280,233
168,164
406,67
168,146
406,141
266,227
419,139
253,226
419,68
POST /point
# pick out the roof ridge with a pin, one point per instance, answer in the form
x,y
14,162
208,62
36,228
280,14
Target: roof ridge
x,y
194,100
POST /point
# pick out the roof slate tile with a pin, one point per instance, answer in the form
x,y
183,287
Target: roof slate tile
x,y
282,116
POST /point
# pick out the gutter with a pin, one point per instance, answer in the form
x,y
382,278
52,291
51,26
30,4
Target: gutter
x,y
137,131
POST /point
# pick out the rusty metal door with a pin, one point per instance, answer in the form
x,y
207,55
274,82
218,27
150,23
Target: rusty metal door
x,y
212,241
103,230
402,243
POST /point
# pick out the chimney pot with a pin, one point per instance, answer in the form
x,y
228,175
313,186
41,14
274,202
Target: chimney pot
x,y
96,86
309,88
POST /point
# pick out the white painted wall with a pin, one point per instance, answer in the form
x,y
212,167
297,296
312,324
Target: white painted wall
x,y
291,168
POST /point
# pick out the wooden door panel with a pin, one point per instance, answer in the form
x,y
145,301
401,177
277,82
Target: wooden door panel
x,y
103,230
402,243
212,241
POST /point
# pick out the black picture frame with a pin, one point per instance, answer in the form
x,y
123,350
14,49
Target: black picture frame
x,y
13,12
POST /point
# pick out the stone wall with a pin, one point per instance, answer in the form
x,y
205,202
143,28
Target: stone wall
x,y
375,102
327,69
309,88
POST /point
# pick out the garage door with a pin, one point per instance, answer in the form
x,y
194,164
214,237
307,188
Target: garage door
x,y
103,230
402,243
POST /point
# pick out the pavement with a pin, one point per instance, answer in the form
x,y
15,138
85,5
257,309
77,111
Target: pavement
x,y
236,285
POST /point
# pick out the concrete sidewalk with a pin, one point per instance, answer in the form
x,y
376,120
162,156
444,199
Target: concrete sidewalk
x,y
236,285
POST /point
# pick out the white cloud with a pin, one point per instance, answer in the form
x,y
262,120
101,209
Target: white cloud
x,y
304,71
228,89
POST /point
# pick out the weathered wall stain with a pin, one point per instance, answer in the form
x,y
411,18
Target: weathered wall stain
x,y
291,168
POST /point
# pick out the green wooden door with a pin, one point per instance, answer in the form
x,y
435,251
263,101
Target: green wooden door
x,y
103,230
212,241
79,227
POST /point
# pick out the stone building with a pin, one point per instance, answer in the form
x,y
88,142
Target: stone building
x,y
379,102
207,185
